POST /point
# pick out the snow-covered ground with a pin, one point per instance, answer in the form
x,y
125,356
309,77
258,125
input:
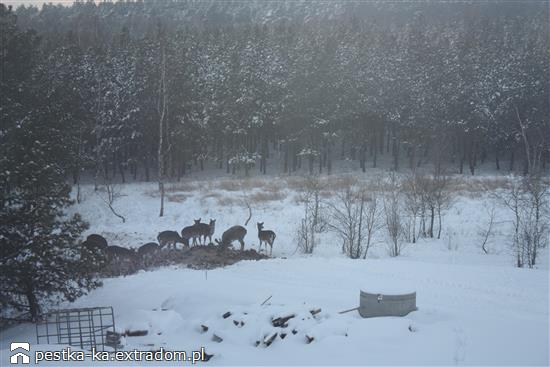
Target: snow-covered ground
x,y
473,308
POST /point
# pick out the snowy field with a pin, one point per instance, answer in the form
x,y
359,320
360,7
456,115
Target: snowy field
x,y
474,309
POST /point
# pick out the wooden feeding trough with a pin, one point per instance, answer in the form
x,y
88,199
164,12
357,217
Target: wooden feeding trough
x,y
377,304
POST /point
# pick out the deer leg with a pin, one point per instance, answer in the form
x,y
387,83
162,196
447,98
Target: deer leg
x,y
242,245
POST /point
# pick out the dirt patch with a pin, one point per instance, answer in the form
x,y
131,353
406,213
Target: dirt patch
x,y
178,198
204,257
264,196
197,257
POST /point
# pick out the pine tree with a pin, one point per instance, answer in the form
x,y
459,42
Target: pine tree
x,y
39,256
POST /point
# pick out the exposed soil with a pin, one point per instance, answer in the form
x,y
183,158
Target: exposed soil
x,y
196,257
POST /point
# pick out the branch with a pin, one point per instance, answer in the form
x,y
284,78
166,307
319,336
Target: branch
x,y
249,211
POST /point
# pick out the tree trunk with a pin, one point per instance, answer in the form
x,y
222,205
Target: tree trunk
x,y
363,156
432,217
439,223
34,306
329,158
285,165
162,113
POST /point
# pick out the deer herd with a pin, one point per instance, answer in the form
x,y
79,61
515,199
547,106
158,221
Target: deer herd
x,y
195,235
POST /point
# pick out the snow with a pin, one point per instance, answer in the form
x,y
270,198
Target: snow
x,y
472,308
466,315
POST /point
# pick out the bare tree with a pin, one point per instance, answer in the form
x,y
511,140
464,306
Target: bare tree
x,y
412,189
535,217
442,198
512,198
110,195
373,221
486,232
527,198
348,218
312,222
392,210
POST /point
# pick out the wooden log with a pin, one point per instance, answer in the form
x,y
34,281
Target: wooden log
x,y
135,332
216,338
282,321
268,298
204,328
226,315
309,339
351,309
314,311
269,339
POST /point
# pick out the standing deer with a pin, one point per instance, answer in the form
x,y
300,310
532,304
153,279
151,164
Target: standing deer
x,y
171,238
206,230
266,236
235,233
192,231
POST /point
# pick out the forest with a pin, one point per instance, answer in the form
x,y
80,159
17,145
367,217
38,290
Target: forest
x,y
139,90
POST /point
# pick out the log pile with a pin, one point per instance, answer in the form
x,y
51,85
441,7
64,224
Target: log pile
x,y
279,324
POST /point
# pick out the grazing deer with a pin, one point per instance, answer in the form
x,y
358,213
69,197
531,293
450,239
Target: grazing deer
x,y
92,252
206,230
147,251
93,247
266,236
235,233
171,238
100,241
193,231
121,253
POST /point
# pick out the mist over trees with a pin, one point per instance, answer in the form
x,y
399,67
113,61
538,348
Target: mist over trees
x,y
236,83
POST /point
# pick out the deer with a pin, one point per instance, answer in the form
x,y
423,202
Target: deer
x,y
146,251
92,252
235,233
93,247
171,238
206,230
121,253
192,231
266,236
98,240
